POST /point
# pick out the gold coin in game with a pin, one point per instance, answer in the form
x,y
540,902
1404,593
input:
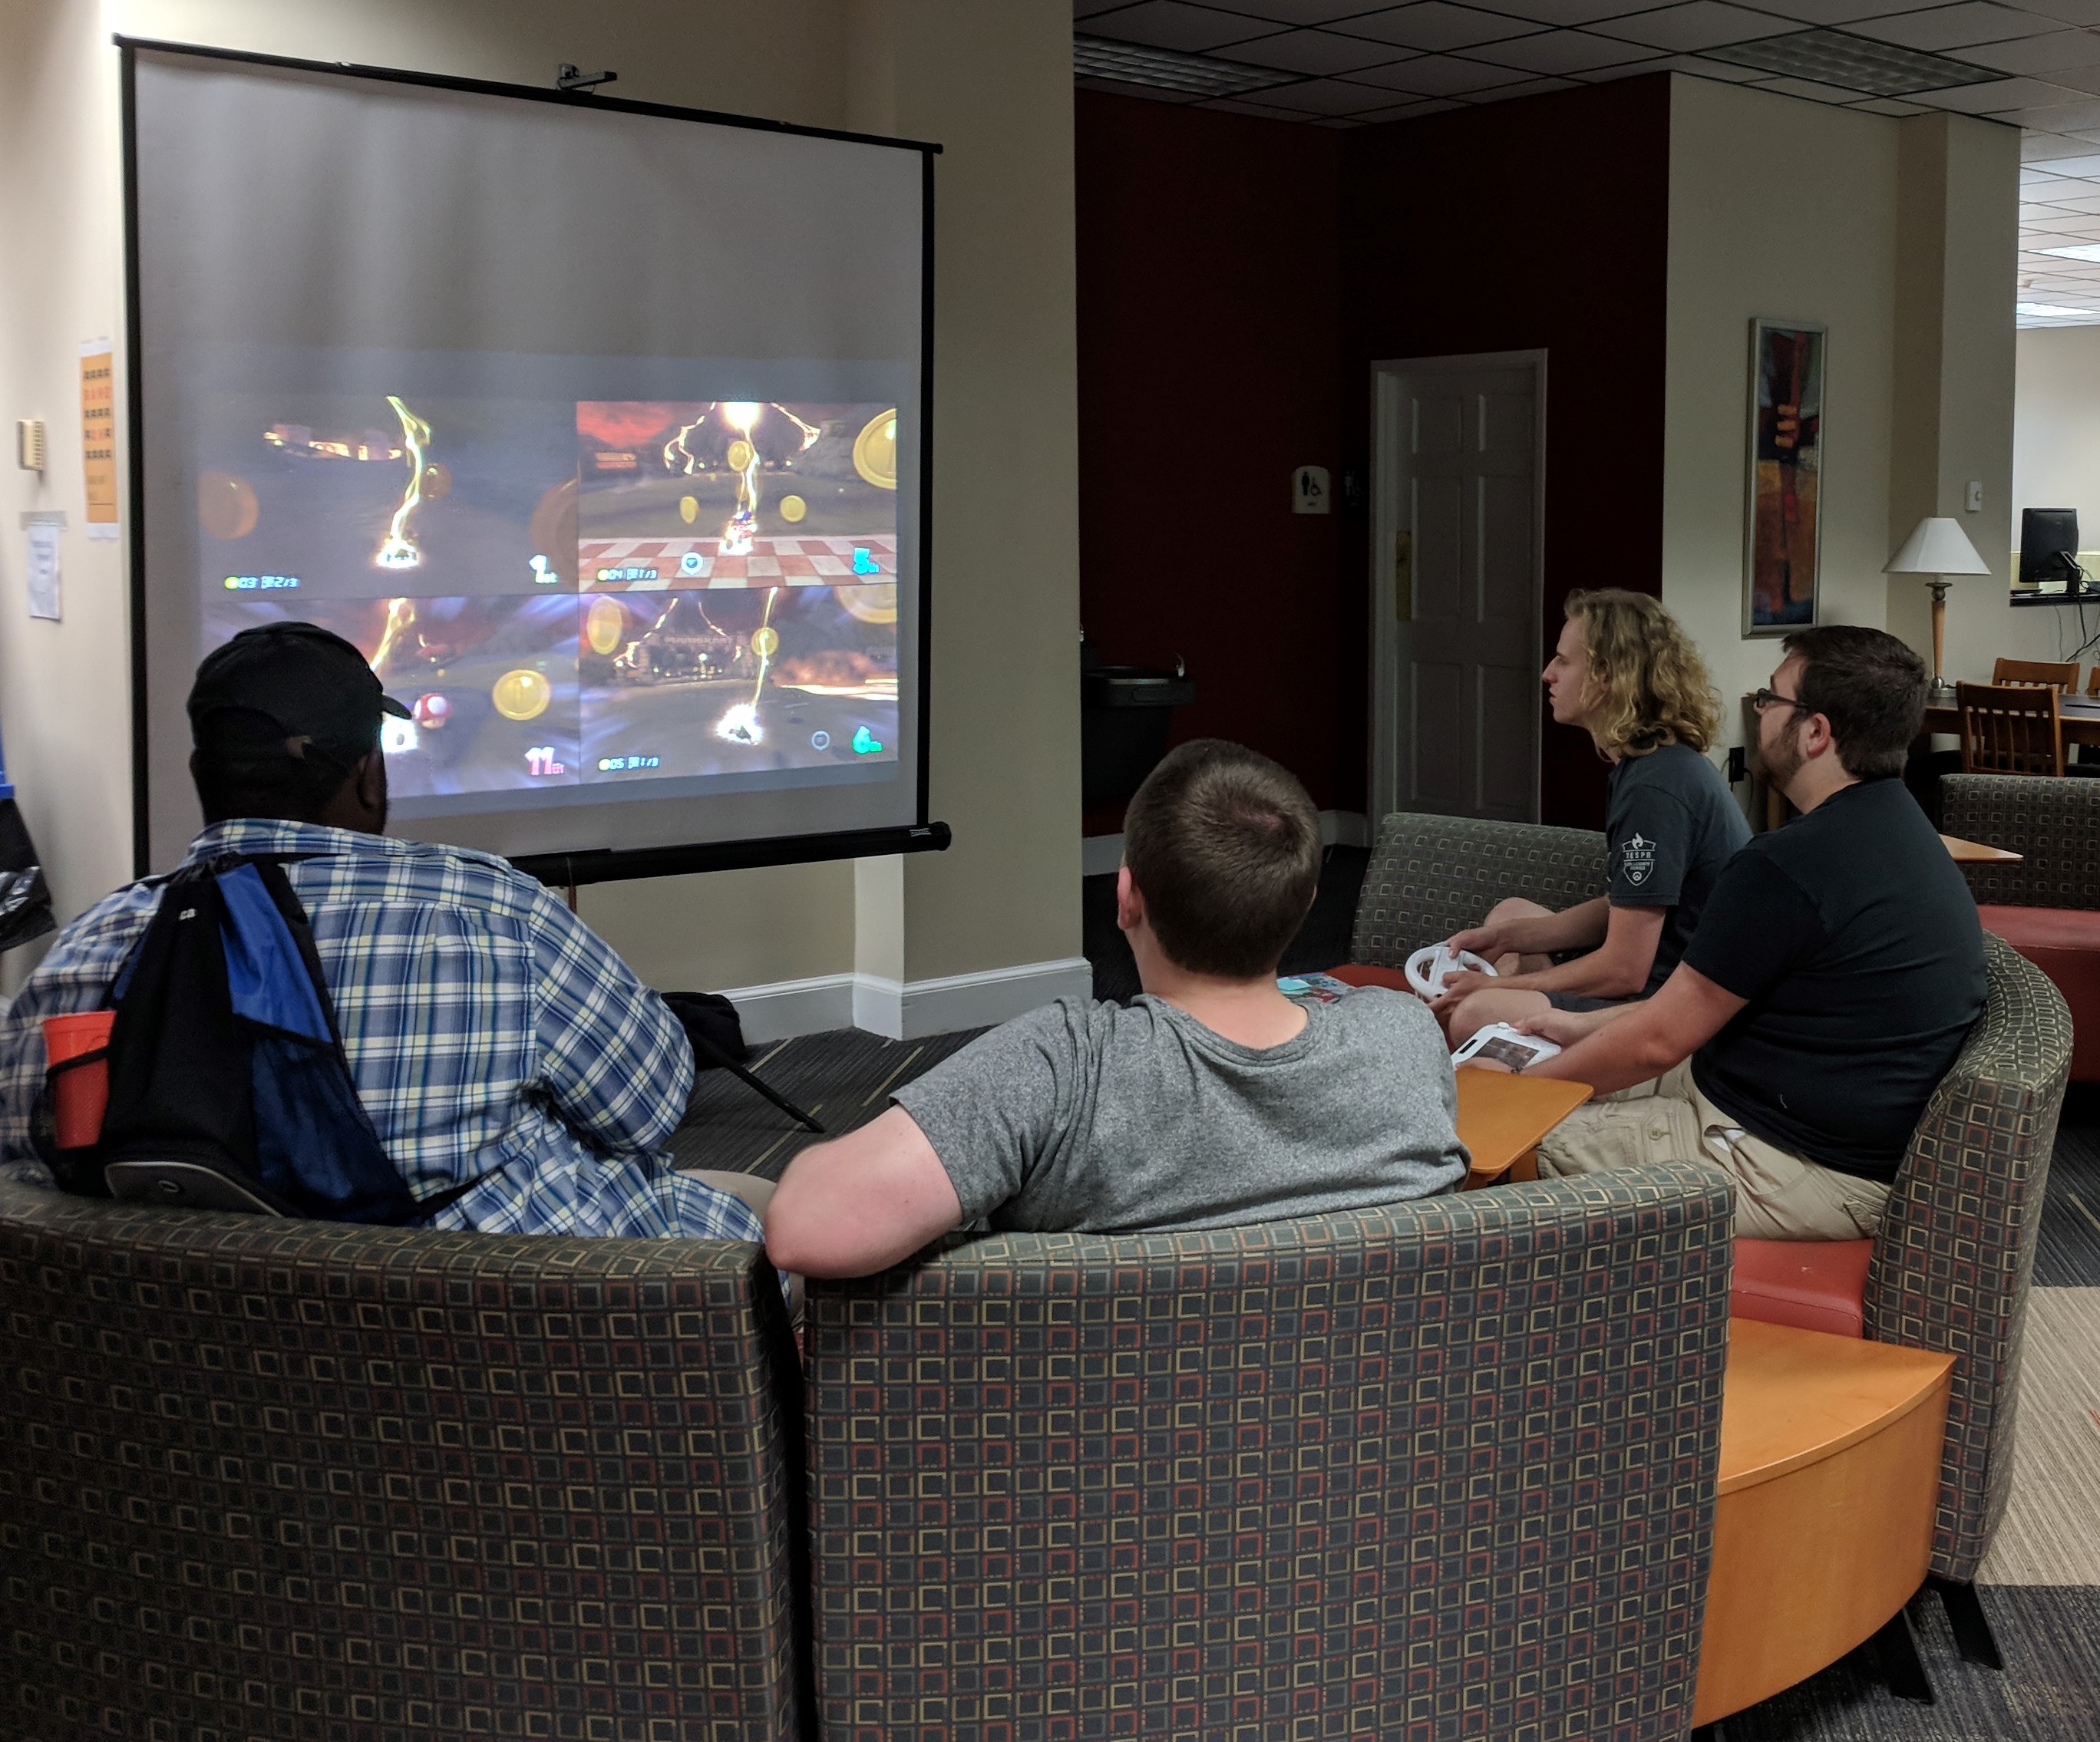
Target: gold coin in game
x,y
793,508
874,451
740,454
523,694
605,626
689,508
876,604
226,507
765,643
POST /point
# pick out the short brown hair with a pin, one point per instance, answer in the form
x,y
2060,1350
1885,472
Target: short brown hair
x,y
1647,685
1869,686
1224,846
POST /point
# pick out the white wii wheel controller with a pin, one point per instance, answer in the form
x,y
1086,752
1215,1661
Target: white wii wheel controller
x,y
1428,968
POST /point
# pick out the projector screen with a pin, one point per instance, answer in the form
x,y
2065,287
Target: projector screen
x,y
599,430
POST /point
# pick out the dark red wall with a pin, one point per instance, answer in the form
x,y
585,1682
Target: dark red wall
x,y
1237,278
1543,223
1210,368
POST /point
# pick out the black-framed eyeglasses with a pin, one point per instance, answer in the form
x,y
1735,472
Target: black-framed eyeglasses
x,y
1763,698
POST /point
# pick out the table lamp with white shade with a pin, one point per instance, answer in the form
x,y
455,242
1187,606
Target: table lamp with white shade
x,y
1937,548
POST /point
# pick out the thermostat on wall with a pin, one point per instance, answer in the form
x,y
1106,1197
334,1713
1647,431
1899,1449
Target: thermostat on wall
x,y
1309,493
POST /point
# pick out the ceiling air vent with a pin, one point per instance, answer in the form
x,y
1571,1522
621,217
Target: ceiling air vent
x,y
1194,75
1851,63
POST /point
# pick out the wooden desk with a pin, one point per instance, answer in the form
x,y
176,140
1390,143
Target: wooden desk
x,y
1830,1452
1501,1116
1975,853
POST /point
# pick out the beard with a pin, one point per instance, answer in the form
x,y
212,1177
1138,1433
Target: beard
x,y
1783,760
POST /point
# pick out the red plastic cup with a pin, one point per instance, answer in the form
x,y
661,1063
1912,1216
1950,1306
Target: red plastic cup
x,y
78,1097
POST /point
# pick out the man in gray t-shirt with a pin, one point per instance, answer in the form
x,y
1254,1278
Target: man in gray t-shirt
x,y
1212,1100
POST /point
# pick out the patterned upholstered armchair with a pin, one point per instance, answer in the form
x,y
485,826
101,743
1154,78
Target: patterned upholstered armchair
x,y
1951,1269
292,1478
2047,906
1444,1469
1952,1264
1430,876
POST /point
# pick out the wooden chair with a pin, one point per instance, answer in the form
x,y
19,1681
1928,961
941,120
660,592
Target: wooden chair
x,y
2010,729
2063,678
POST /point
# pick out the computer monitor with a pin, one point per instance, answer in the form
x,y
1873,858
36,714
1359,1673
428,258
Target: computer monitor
x,y
2048,548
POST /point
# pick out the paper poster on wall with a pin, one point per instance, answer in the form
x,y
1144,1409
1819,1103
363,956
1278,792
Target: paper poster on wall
x,y
42,571
1784,520
98,436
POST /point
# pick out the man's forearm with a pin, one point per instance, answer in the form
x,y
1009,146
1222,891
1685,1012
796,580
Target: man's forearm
x,y
1581,926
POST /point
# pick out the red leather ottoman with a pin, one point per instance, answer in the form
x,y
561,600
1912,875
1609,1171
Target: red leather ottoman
x,y
1813,1285
2064,943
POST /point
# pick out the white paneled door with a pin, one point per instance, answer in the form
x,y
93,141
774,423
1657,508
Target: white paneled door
x,y
1456,575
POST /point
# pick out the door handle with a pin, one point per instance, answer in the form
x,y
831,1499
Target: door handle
x,y
1403,577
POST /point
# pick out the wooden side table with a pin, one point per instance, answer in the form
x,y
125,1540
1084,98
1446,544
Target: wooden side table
x,y
1830,1454
1501,1116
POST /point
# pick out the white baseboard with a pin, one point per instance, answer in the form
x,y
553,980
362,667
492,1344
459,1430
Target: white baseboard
x,y
788,1008
910,1010
1099,854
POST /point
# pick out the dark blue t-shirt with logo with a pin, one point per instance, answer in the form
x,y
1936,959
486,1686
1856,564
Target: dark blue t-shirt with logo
x,y
1671,825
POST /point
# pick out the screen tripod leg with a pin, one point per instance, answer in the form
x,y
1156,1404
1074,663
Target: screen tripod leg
x,y
709,1053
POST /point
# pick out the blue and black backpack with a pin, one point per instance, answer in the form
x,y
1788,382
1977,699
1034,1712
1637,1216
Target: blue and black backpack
x,y
228,1085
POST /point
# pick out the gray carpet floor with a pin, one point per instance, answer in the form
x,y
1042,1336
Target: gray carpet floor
x,y
2049,1632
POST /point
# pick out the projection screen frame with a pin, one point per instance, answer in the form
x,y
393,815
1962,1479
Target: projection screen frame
x,y
598,865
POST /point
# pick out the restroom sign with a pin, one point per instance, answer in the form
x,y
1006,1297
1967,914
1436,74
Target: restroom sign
x,y
1309,491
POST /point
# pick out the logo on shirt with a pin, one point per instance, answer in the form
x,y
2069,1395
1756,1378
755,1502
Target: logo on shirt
x,y
1637,858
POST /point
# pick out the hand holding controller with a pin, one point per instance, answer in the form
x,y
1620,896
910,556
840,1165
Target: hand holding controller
x,y
1428,968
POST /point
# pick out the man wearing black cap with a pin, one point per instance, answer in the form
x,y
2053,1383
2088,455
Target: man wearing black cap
x,y
491,1036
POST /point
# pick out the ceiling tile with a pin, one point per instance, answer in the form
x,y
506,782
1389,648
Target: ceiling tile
x,y
1436,25
1172,23
1842,12
1439,76
1999,94
1338,120
1316,51
2077,78
1091,8
2071,223
2065,11
2070,156
1560,52
1943,28
1887,106
1812,90
1702,24
1693,63
1411,111
1562,12
1247,106
2046,54
2088,204
1326,96
2059,117
1293,11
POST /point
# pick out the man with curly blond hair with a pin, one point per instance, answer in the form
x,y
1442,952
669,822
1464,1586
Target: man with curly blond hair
x,y
1625,671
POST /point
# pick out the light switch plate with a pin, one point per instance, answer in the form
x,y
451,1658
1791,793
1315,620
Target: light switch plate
x,y
1975,502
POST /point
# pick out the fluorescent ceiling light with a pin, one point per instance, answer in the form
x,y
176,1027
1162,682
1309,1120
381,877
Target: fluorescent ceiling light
x,y
2082,251
1836,57
1195,75
2052,311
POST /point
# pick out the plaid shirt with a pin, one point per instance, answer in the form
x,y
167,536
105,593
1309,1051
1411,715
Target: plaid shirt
x,y
488,1029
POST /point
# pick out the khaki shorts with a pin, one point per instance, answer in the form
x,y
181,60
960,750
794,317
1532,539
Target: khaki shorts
x,y
1779,1195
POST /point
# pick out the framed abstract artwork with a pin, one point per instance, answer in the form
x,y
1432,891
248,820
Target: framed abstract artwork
x,y
1784,523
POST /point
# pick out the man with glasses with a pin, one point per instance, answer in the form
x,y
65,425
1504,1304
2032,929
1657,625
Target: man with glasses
x,y
1837,969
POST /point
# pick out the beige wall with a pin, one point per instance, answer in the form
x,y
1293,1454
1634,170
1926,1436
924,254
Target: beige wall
x,y
2056,458
992,83
1897,236
1807,233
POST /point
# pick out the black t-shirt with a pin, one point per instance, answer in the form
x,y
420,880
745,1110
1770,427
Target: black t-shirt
x,y
1671,826
1854,938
